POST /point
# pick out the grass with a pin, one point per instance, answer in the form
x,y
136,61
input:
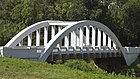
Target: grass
x,y
12,68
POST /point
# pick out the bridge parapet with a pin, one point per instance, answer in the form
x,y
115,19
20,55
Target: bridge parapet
x,y
29,52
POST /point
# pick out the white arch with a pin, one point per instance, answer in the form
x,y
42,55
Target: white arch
x,y
59,36
25,32
21,35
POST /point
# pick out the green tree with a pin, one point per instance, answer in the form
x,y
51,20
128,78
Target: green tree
x,y
15,15
28,11
8,30
115,20
132,20
5,9
67,10
121,16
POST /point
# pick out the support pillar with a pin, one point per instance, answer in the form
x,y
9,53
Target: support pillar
x,y
67,41
114,45
20,43
87,35
45,36
109,42
81,37
99,38
53,31
30,39
77,37
60,43
104,39
93,36
72,39
75,40
38,37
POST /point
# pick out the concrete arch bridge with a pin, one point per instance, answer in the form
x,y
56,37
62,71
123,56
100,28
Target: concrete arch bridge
x,y
51,40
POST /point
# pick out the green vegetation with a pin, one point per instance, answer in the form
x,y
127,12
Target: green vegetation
x,y
11,68
133,70
121,16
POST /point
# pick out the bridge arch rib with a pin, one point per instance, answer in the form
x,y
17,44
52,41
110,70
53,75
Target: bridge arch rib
x,y
59,36
25,32
35,27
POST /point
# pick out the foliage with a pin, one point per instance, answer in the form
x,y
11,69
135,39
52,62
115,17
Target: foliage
x,y
6,34
133,70
121,16
132,20
27,11
15,15
12,68
5,9
67,10
83,66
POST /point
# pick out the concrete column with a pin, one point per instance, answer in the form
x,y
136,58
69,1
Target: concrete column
x,y
75,40
87,35
99,38
30,39
20,43
53,31
59,28
81,37
60,43
104,39
45,36
72,39
114,45
66,41
38,37
93,36
77,37
109,42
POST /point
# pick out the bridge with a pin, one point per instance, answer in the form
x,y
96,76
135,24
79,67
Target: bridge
x,y
50,40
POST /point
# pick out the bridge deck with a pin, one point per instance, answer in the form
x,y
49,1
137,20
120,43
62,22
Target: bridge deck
x,y
33,52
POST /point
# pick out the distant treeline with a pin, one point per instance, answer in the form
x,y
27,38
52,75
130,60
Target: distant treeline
x,y
121,16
